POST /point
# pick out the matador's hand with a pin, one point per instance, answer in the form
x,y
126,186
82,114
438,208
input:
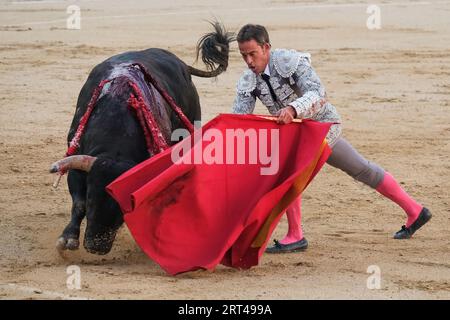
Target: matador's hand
x,y
286,115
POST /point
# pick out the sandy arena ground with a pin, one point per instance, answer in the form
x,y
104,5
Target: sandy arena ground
x,y
391,87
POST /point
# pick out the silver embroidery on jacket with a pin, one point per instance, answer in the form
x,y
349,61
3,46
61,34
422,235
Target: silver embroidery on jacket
x,y
295,83
286,61
247,82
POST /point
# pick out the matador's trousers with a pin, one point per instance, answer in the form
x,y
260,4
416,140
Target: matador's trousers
x,y
346,158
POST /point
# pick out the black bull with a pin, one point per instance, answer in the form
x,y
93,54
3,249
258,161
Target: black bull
x,y
113,140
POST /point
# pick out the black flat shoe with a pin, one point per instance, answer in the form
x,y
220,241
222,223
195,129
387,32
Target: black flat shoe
x,y
278,247
406,233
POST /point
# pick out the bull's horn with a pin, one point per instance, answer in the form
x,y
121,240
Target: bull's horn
x,y
79,162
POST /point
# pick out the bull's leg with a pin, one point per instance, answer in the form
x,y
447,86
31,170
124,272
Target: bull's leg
x,y
69,238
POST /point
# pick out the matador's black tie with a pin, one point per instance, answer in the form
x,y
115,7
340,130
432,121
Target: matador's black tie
x,y
266,78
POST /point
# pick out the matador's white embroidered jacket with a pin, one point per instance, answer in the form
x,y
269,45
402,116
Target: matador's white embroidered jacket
x,y
295,83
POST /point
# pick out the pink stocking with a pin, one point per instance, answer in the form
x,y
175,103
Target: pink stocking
x,y
294,216
392,190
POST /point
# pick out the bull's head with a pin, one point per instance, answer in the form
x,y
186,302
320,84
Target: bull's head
x,y
102,213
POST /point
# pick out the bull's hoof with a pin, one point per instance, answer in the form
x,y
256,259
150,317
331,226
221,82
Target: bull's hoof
x,y
73,244
67,244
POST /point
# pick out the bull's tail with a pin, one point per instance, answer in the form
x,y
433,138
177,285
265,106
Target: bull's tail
x,y
214,47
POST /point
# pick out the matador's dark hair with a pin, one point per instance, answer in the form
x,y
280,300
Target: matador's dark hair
x,y
253,32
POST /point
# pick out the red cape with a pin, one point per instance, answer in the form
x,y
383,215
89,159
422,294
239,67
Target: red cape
x,y
191,216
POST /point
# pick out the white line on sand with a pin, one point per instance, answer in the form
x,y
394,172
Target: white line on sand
x,y
296,7
44,294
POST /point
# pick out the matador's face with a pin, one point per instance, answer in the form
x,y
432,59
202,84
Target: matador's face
x,y
256,56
